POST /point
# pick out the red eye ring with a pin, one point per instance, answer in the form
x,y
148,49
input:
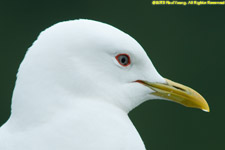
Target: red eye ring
x,y
123,59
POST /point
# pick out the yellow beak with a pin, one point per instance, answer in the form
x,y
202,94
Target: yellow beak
x,y
178,93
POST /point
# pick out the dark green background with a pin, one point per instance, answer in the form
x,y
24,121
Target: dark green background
x,y
186,44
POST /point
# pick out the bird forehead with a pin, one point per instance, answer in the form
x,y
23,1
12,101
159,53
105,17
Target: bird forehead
x,y
89,39
91,32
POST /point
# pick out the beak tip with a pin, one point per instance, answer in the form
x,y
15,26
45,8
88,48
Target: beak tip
x,y
206,109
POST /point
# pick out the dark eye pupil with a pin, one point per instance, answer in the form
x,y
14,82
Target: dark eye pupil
x,y
123,59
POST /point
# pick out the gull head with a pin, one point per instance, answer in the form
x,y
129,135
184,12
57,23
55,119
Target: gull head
x,y
82,60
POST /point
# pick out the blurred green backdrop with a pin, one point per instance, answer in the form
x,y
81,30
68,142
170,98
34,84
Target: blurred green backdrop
x,y
185,43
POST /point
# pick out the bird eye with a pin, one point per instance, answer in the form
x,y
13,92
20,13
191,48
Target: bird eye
x,y
123,59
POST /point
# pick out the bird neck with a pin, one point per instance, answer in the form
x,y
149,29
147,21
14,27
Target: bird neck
x,y
85,117
94,122
44,109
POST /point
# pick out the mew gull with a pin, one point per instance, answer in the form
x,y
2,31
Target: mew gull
x,y
76,86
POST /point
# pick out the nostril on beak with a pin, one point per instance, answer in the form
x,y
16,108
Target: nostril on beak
x,y
179,88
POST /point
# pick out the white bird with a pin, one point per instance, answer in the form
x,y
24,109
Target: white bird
x,y
76,86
